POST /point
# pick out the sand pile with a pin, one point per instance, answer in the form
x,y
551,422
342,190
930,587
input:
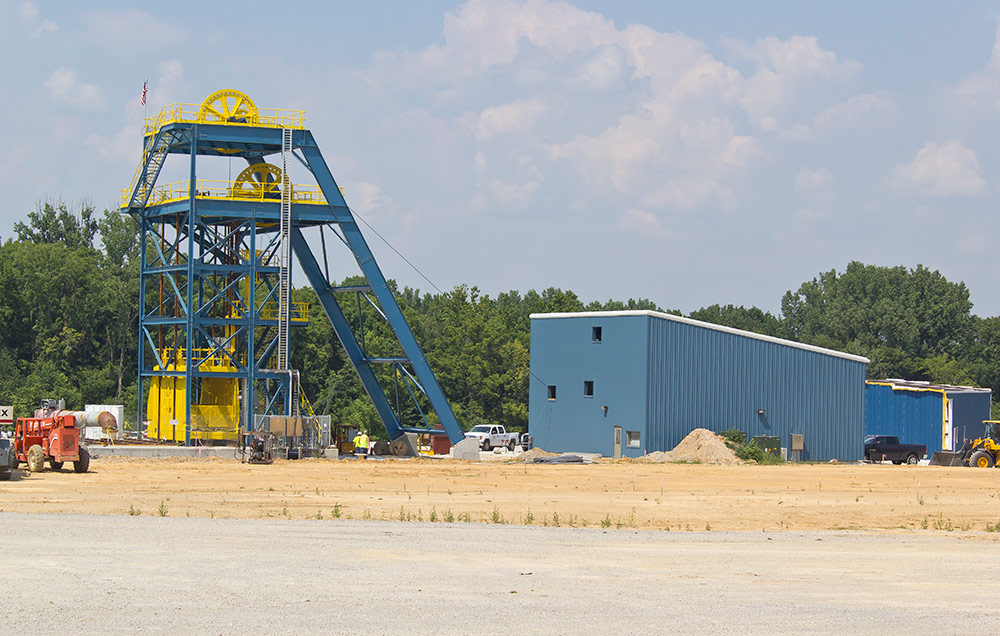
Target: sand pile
x,y
700,445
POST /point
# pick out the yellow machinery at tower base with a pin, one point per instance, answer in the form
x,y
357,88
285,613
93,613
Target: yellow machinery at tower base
x,y
214,417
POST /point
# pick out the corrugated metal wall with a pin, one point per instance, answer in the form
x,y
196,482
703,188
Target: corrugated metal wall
x,y
968,412
564,355
705,378
915,417
662,379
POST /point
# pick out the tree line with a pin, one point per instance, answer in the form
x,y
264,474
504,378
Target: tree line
x,y
69,304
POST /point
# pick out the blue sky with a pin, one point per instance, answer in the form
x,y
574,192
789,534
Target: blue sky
x,y
690,153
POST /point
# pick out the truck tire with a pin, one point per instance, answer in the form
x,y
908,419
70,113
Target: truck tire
x,y
5,475
83,463
36,458
486,445
981,459
510,445
874,458
54,465
911,459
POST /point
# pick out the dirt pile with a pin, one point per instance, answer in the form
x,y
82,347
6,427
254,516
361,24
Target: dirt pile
x,y
701,445
530,454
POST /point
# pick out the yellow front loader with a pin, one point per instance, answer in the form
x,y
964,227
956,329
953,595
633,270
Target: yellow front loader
x,y
982,452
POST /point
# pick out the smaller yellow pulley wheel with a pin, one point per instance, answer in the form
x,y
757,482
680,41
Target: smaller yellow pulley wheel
x,y
259,181
228,107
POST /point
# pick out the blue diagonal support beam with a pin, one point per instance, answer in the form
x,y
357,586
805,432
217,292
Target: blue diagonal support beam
x,y
343,330
380,288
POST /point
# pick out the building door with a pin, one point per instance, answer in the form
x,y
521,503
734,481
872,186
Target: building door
x,y
618,442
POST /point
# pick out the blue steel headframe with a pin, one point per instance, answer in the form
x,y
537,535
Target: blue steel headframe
x,y
196,221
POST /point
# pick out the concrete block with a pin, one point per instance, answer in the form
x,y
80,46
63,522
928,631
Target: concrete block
x,y
405,445
466,449
331,453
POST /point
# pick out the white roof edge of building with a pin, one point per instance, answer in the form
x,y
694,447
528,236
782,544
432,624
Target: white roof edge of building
x,y
706,325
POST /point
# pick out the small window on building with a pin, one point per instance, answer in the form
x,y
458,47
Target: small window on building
x,y
588,388
552,391
596,334
632,438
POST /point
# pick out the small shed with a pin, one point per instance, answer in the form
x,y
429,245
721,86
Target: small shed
x,y
940,416
623,383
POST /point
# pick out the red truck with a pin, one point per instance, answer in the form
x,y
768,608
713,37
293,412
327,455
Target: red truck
x,y
54,439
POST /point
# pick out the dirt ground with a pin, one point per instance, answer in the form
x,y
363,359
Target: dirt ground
x,y
685,497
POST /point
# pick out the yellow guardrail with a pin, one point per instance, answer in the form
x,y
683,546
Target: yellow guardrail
x,y
215,189
195,113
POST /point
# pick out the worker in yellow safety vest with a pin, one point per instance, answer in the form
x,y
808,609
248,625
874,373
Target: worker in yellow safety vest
x,y
361,443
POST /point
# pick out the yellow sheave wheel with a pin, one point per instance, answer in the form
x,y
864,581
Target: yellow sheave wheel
x,y
259,181
230,107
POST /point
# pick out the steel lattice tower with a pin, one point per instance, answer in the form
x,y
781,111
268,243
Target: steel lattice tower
x,y
214,325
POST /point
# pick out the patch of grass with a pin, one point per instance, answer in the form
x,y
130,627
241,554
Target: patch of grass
x,y
366,515
736,440
133,511
606,521
335,513
162,509
448,516
433,516
495,516
993,527
529,518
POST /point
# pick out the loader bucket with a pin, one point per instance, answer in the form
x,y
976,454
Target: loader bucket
x,y
947,458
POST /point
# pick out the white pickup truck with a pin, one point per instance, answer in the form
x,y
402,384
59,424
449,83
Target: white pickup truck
x,y
493,437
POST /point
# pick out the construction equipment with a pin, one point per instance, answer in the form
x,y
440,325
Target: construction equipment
x,y
55,439
982,452
256,447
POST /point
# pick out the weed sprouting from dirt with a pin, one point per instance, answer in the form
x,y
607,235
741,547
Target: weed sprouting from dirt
x,y
433,516
993,527
366,514
708,527
555,519
133,511
529,518
606,521
162,509
319,515
465,518
448,516
335,513
495,516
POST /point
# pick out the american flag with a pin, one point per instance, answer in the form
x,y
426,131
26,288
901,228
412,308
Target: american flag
x,y
142,99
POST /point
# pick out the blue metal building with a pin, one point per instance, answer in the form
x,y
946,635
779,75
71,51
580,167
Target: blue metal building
x,y
631,382
940,416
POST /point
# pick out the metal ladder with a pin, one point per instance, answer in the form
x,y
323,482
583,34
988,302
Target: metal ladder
x,y
145,177
285,252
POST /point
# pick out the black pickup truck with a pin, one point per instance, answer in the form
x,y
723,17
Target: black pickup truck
x,y
879,448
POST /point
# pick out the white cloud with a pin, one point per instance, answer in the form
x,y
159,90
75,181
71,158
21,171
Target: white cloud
x,y
984,85
47,26
808,180
635,219
948,169
848,113
28,11
65,86
514,117
665,125
369,197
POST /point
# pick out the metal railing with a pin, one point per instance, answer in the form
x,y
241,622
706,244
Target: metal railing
x,y
217,189
194,113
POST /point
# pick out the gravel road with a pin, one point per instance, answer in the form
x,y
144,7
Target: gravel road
x,y
119,574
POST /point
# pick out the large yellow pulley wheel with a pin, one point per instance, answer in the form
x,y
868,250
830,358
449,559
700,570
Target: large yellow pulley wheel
x,y
259,181
228,107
